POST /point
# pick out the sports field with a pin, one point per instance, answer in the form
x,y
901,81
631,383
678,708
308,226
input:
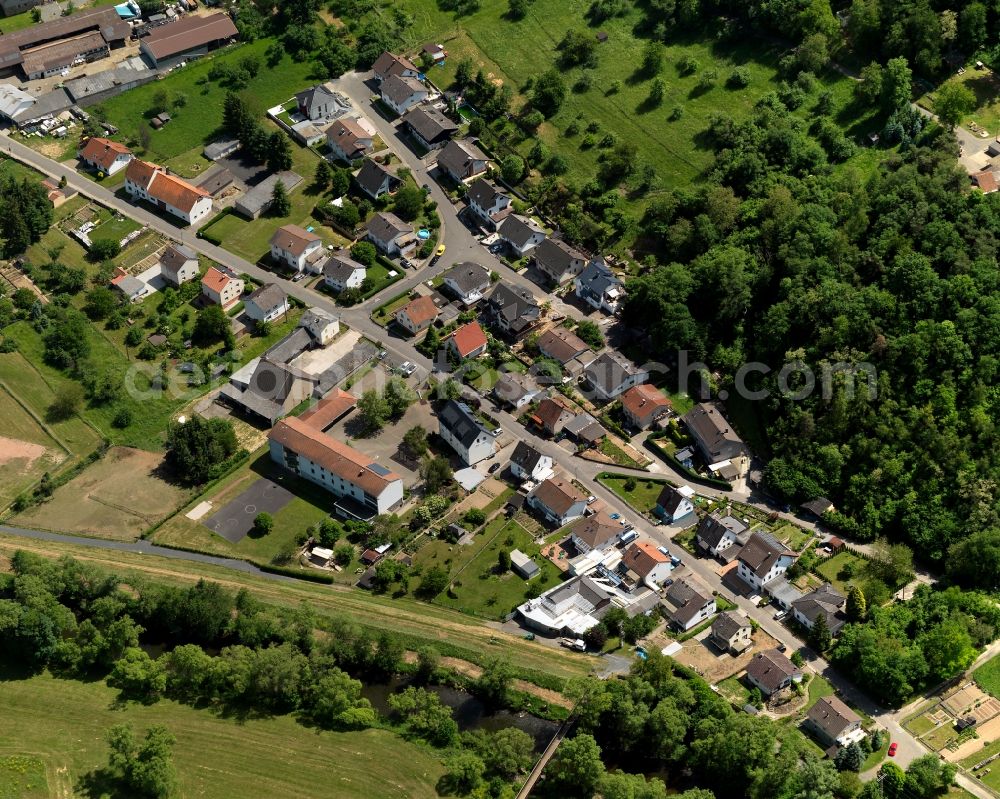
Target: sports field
x,y
63,722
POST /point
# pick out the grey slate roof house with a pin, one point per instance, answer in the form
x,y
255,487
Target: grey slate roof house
x,y
462,160
715,438
521,233
825,601
375,180
463,431
527,463
490,205
467,281
513,310
558,261
771,671
688,604
731,632
390,234
402,93
598,287
429,127
611,374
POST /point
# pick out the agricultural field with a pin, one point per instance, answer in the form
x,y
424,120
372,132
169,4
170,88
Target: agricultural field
x,y
515,51
215,756
120,497
476,587
27,450
454,633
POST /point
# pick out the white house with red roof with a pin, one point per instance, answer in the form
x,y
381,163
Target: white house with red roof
x,y
468,341
222,287
149,182
104,155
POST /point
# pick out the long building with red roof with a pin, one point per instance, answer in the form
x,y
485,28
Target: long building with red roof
x,y
149,182
362,486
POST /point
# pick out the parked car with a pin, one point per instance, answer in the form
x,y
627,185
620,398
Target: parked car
x,y
494,467
780,615
407,368
892,749
440,250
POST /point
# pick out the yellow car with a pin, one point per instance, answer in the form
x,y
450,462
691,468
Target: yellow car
x,y
440,250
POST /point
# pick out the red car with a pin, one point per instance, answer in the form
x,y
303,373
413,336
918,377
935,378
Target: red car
x,y
892,749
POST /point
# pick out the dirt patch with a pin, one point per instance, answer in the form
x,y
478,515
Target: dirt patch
x,y
987,733
473,671
710,664
12,449
120,497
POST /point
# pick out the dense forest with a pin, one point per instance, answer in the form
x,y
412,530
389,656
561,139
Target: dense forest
x,y
898,270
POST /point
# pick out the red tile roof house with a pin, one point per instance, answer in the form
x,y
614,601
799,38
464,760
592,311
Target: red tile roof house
x,y
104,155
643,405
296,247
149,182
417,315
468,341
222,287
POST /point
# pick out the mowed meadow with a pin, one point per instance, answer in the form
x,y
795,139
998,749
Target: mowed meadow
x,y
63,723
516,51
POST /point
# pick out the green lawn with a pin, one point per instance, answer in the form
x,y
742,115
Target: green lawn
x,y
514,51
876,757
383,315
818,687
987,676
63,722
833,570
22,777
733,689
795,538
919,724
476,587
642,498
115,229
985,85
199,121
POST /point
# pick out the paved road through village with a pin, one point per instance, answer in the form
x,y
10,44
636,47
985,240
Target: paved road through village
x,y
461,245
